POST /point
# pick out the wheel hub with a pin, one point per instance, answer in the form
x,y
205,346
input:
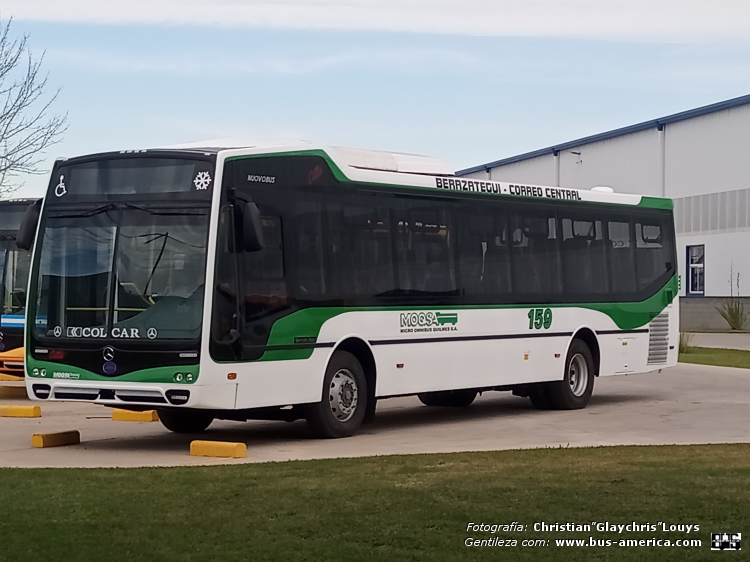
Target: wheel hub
x,y
343,395
578,375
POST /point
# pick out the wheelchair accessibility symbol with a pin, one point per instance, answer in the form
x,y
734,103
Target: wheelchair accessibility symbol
x,y
60,189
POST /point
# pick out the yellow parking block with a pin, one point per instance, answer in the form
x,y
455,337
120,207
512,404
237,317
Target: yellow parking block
x,y
8,391
20,412
41,440
127,415
10,378
218,449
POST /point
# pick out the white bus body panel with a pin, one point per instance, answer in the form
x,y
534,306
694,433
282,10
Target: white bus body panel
x,y
499,355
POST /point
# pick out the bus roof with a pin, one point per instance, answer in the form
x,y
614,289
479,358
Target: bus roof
x,y
11,202
392,169
352,157
407,170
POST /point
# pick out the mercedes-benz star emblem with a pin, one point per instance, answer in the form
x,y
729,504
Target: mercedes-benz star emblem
x,y
108,353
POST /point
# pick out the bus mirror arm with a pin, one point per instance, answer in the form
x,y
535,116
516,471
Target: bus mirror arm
x,y
252,227
234,332
27,230
234,336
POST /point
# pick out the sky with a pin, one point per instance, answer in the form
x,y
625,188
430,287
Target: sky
x,y
468,81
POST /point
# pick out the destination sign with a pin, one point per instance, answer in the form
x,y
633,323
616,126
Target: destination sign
x,y
132,176
500,188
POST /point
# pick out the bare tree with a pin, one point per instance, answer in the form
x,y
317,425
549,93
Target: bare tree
x,y
26,128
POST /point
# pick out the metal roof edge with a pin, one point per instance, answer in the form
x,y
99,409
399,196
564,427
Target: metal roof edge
x,y
638,127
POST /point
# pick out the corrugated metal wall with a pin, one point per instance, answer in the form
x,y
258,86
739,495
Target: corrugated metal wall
x,y
709,154
630,164
703,163
540,171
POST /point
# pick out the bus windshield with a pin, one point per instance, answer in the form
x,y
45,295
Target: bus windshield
x,y
122,271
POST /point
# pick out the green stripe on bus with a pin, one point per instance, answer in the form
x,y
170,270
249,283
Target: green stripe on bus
x,y
309,321
656,203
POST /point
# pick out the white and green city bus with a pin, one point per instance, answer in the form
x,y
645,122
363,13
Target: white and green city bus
x,y
309,282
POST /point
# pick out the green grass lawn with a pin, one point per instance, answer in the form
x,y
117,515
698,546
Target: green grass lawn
x,y
379,508
720,357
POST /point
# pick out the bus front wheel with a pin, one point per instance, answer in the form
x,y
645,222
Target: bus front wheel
x,y
344,402
185,421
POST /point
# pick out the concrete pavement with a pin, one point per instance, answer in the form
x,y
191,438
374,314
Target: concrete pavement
x,y
723,341
685,404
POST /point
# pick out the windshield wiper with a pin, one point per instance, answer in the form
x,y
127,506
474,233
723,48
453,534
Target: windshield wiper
x,y
158,259
164,212
91,212
123,205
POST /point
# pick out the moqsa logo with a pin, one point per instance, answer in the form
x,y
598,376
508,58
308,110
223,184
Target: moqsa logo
x,y
427,319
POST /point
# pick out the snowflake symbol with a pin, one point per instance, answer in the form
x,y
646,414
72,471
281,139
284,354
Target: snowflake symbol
x,y
202,180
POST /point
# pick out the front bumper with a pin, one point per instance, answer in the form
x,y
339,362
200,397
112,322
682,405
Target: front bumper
x,y
134,396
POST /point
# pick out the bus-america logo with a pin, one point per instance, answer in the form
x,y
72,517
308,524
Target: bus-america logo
x,y
428,322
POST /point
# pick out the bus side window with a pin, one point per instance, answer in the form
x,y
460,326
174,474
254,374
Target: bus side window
x,y
652,252
360,250
309,264
483,251
425,253
536,264
584,256
621,266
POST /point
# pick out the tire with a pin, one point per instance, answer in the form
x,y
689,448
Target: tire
x,y
448,398
185,421
370,411
574,391
539,396
344,400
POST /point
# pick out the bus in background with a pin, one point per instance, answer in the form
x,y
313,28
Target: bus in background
x,y
14,278
309,282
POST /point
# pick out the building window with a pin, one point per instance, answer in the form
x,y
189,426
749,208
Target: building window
x,y
695,273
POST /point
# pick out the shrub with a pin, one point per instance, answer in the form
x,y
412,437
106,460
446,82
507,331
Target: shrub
x,y
685,341
733,309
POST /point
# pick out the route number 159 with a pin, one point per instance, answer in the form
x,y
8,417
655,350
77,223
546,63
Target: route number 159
x,y
540,318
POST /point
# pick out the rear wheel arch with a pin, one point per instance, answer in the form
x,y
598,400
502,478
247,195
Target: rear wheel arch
x,y
580,369
589,338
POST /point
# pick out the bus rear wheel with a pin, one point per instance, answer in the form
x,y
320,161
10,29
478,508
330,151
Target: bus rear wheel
x,y
448,398
185,421
344,402
574,391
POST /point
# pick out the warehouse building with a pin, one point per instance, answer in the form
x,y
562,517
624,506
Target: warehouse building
x,y
701,159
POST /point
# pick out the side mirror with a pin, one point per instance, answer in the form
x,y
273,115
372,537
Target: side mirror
x,y
27,230
252,227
